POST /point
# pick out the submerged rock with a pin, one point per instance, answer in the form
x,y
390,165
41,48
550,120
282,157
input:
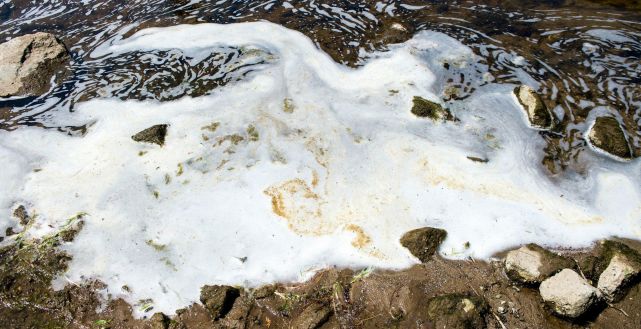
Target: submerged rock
x,y
312,317
154,134
607,135
423,242
456,311
218,300
623,268
427,109
531,264
568,293
537,113
28,62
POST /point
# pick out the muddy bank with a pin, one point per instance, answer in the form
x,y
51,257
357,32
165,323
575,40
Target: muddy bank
x,y
456,294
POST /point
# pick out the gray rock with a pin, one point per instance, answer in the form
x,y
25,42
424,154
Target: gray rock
x,y
154,134
537,113
621,266
616,276
218,300
568,293
423,242
531,264
28,62
607,135
456,311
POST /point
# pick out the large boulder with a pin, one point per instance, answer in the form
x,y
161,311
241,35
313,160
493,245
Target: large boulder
x,y
531,264
218,300
423,242
607,135
456,311
568,294
28,62
623,268
537,113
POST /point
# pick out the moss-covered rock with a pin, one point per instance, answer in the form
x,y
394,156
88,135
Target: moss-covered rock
x,y
427,109
457,311
22,215
423,242
218,300
607,135
537,113
154,134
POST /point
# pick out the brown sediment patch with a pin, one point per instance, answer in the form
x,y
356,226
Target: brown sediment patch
x,y
362,239
333,298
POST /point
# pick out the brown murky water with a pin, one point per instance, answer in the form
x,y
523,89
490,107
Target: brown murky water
x,y
585,55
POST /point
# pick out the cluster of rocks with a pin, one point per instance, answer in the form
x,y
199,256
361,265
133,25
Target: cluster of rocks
x,y
565,285
605,134
29,62
571,288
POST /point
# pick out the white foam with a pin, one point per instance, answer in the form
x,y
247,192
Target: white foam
x,y
334,178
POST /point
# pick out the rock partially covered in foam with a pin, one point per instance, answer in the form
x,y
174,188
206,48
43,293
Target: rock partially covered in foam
x,y
607,135
568,293
531,264
154,134
537,113
28,62
423,242
623,268
427,109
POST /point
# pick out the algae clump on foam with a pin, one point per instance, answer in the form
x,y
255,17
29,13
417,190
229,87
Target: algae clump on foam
x,y
427,109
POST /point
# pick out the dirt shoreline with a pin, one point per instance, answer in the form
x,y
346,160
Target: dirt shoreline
x,y
333,298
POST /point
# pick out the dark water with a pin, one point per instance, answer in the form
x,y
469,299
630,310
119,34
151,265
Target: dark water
x,y
586,56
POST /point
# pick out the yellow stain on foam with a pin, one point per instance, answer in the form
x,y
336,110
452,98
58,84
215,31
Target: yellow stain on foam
x,y
296,202
560,209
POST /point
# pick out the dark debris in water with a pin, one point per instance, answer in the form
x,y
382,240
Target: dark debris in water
x,y
584,54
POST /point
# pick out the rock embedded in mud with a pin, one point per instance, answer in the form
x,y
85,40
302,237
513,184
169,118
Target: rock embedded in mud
x,y
568,294
456,311
28,62
531,264
159,321
218,300
427,109
607,135
154,134
623,268
312,317
537,113
423,242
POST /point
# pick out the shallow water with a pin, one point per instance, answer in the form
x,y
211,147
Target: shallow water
x,y
316,159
